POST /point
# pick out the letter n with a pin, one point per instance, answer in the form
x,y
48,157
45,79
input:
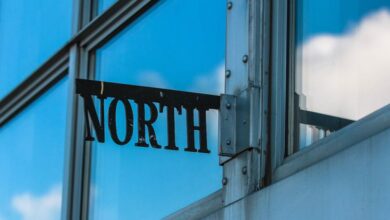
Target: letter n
x,y
89,109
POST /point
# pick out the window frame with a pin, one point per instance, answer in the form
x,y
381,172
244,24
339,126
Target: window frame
x,y
88,31
269,43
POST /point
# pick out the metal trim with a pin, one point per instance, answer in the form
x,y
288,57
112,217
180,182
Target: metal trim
x,y
35,85
227,133
278,88
200,208
247,59
111,22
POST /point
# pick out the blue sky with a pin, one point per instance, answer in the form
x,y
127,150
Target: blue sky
x,y
176,45
30,32
32,157
333,16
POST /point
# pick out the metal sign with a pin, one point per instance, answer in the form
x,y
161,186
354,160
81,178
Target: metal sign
x,y
145,97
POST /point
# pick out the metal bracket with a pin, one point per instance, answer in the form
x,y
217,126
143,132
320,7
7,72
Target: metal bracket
x,y
227,124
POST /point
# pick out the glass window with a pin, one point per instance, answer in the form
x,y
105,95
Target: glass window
x,y
342,67
30,32
177,45
32,159
102,5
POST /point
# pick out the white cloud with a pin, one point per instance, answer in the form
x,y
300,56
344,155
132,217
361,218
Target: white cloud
x,y
44,207
152,79
348,75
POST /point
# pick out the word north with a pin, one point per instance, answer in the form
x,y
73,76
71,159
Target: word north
x,y
146,99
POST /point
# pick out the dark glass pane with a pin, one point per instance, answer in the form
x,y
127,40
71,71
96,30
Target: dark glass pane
x,y
342,67
177,45
30,32
32,159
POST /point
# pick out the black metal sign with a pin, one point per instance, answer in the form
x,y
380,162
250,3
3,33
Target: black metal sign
x,y
145,97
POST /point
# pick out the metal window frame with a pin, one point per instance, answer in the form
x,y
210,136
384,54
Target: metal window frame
x,y
257,29
98,32
88,33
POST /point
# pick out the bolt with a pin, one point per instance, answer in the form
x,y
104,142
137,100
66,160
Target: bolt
x,y
230,5
228,141
244,170
244,122
228,105
224,181
245,58
228,73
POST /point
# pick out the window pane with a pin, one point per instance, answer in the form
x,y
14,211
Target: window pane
x,y
342,67
102,5
30,32
31,159
177,45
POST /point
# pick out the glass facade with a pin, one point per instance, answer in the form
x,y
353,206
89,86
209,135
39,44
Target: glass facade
x,y
30,32
166,48
32,159
339,73
342,66
102,5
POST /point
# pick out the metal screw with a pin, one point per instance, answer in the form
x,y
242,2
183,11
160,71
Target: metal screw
x,y
228,73
224,181
228,141
244,170
228,105
230,5
245,58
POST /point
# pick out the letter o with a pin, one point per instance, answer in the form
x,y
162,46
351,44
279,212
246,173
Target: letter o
x,y
112,121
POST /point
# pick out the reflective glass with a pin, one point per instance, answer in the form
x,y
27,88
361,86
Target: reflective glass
x,y
176,45
30,32
342,67
32,159
102,5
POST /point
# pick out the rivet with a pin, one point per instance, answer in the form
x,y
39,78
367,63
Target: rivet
x,y
224,181
228,141
244,122
230,5
244,170
228,73
245,58
228,105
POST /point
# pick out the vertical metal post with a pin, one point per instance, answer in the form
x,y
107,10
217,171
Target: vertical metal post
x,y
74,169
279,66
247,62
